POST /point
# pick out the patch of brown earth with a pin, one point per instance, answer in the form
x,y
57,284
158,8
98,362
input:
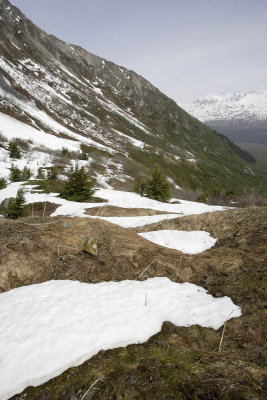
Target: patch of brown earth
x,y
41,209
113,211
178,363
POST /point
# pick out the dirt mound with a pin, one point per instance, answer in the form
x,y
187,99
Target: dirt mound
x,y
178,363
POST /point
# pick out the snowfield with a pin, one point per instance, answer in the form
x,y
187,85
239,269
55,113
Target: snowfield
x,y
114,198
50,327
192,242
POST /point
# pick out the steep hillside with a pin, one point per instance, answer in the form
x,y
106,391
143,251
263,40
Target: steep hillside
x,y
241,116
57,95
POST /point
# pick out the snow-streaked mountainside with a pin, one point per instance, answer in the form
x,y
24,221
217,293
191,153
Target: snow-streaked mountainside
x,y
56,95
242,116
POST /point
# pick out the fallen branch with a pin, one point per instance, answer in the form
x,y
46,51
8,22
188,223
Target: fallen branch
x,y
88,390
222,337
77,258
44,210
146,269
220,345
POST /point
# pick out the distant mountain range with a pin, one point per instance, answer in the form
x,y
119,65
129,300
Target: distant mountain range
x,y
56,95
241,116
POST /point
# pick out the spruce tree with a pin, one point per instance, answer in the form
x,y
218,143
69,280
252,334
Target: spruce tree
x,y
157,187
14,151
25,174
16,207
40,173
79,186
3,183
52,174
139,186
15,174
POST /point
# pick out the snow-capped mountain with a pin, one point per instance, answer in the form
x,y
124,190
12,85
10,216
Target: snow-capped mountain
x,y
57,95
242,108
241,116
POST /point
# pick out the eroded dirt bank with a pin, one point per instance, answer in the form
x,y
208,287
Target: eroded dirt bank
x,y
178,363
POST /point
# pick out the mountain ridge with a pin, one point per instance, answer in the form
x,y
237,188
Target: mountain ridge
x,y
241,116
63,90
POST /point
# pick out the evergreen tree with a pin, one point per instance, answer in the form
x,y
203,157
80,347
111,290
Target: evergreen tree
x,y
40,173
157,187
139,186
65,152
14,151
79,186
83,155
16,207
52,174
3,183
25,174
15,174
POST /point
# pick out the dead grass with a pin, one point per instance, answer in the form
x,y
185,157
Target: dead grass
x,y
113,211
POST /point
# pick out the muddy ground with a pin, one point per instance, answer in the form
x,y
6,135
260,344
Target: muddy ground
x,y
178,363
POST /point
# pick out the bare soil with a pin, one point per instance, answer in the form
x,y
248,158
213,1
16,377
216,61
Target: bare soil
x,y
113,211
178,363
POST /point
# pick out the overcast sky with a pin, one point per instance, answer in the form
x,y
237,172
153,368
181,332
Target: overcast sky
x,y
187,48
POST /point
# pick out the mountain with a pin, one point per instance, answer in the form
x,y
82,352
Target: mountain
x,y
56,95
241,116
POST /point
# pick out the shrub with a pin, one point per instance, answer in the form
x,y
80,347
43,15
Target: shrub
x,y
83,156
79,186
23,144
3,183
52,173
16,207
15,174
157,187
65,152
14,151
40,173
3,138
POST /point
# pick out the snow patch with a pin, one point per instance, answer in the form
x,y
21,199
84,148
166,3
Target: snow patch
x,y
192,242
52,326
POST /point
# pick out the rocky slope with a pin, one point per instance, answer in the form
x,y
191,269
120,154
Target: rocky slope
x,y
57,95
242,116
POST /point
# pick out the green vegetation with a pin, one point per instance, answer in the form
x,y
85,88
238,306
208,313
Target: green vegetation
x,y
14,151
156,188
16,207
25,174
52,173
40,173
17,175
79,186
84,152
65,152
259,152
48,186
3,183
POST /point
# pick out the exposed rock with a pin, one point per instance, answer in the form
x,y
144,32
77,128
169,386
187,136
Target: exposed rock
x,y
90,246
